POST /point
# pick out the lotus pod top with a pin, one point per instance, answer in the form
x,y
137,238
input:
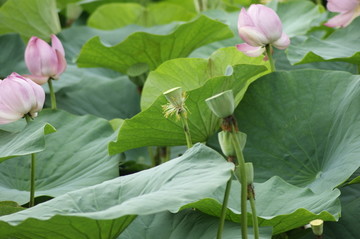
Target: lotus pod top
x,y
223,104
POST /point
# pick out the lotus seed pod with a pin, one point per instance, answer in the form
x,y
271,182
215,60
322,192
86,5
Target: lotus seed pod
x,y
317,227
175,96
223,104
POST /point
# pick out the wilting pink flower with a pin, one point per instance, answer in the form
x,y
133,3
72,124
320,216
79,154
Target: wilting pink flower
x,y
45,61
349,10
19,96
260,26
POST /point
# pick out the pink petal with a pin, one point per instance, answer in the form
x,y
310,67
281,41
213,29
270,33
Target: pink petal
x,y
56,44
341,20
342,5
283,42
61,63
8,115
252,36
266,21
17,94
32,57
39,97
244,19
250,50
38,79
48,58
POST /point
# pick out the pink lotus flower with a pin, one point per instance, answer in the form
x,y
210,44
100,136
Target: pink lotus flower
x,y
45,61
349,10
260,26
19,96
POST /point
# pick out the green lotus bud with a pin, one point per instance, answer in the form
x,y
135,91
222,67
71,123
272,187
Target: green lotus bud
x,y
249,171
138,73
249,168
226,143
317,227
73,12
223,104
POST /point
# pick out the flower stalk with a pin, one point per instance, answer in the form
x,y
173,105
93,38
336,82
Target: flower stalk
x,y
185,124
223,209
223,106
270,57
32,172
243,181
200,5
254,217
52,94
251,197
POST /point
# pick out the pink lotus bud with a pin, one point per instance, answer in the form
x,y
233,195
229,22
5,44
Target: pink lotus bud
x,y
19,96
349,10
258,27
45,61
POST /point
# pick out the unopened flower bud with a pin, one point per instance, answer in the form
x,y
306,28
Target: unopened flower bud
x,y
44,61
225,140
249,172
19,96
223,104
249,168
138,73
260,26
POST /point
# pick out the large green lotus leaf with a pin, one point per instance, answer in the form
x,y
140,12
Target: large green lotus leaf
x,y
116,15
282,63
188,4
27,141
106,209
107,99
303,126
12,55
278,204
192,73
75,157
61,4
9,207
75,77
298,16
151,128
75,37
91,5
189,224
141,47
348,225
341,45
30,18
